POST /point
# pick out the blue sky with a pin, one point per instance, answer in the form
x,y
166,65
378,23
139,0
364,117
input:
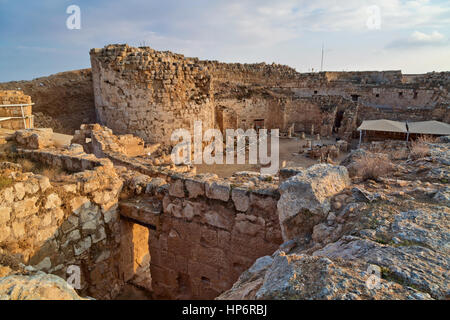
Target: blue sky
x,y
412,36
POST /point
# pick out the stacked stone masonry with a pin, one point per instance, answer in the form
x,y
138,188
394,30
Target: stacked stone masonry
x,y
12,97
152,93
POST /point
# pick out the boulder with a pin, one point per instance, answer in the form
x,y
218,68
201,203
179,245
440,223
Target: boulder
x,y
305,198
39,286
34,138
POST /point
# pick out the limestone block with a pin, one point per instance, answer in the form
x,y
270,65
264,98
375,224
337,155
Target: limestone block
x,y
305,198
46,234
7,195
45,264
82,246
70,188
176,188
5,215
31,187
111,215
53,201
79,204
99,235
46,220
25,207
218,220
18,229
5,232
40,286
219,190
19,189
241,199
195,188
71,237
44,182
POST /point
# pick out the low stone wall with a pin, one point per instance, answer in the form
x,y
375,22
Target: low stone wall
x,y
68,160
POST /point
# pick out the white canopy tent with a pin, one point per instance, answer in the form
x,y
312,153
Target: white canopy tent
x,y
421,127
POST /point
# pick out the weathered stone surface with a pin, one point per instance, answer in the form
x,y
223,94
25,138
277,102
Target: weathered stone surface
x,y
176,188
44,182
5,214
40,286
19,189
5,232
305,197
304,277
219,190
195,188
53,201
241,199
25,207
82,245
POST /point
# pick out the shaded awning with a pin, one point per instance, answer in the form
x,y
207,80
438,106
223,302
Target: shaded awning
x,y
429,127
419,127
383,125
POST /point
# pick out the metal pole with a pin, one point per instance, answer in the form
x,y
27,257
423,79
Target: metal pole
x,y
321,63
23,117
360,138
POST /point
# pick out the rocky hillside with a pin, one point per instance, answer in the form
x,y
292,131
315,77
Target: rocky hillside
x,y
383,237
63,101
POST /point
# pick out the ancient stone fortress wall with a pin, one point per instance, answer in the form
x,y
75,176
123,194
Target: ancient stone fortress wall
x,y
150,93
203,233
55,225
8,97
250,73
163,229
280,108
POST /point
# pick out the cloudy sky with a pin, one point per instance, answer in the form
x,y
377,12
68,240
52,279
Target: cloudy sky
x,y
357,34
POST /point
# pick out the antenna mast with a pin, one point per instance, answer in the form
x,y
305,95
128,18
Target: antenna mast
x,y
321,63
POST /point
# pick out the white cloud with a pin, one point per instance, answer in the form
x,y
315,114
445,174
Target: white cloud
x,y
420,39
432,38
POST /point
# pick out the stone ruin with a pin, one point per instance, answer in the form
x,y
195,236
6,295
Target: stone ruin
x,y
121,220
178,235
123,213
151,93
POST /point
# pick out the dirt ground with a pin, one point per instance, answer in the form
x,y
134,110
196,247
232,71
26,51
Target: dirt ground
x,y
289,155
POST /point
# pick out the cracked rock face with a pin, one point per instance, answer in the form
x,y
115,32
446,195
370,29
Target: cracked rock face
x,y
304,200
398,228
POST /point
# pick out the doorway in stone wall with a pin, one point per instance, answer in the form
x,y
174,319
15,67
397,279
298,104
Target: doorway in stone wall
x,y
258,124
135,261
338,120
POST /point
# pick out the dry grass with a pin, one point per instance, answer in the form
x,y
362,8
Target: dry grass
x,y
400,154
5,182
419,148
373,167
53,173
27,165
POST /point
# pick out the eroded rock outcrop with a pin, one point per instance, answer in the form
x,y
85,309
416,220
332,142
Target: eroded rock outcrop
x,y
305,197
390,243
